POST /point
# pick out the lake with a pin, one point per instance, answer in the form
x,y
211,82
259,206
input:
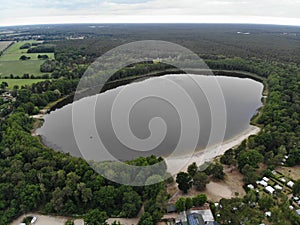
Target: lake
x,y
155,124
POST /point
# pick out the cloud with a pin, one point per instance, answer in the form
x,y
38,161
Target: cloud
x,y
129,1
149,10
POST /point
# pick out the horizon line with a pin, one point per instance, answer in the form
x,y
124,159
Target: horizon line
x,y
149,23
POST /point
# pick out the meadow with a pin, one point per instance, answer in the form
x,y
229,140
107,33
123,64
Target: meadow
x,y
10,62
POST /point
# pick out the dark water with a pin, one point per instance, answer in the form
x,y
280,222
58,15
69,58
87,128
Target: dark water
x,y
242,98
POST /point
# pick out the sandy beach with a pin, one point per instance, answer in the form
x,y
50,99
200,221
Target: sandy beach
x,y
177,164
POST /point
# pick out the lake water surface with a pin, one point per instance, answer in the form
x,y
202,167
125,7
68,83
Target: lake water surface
x,y
242,98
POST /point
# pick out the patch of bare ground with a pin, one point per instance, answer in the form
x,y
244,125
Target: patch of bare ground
x,y
48,220
292,172
124,221
215,189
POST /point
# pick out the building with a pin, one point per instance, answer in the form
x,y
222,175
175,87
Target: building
x,y
290,184
270,190
182,219
266,179
298,212
206,214
278,187
282,180
196,216
195,219
262,183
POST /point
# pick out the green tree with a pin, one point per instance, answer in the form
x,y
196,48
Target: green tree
x,y
192,169
146,219
188,203
296,188
265,202
200,180
180,204
184,181
250,157
250,175
217,171
95,217
131,204
199,200
3,85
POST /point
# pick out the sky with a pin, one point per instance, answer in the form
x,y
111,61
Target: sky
x,y
23,12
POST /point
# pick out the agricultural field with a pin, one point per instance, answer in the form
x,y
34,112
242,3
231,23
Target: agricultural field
x,y
4,45
10,63
20,67
20,82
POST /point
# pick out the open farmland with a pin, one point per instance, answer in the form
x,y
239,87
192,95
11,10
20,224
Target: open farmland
x,y
10,63
4,45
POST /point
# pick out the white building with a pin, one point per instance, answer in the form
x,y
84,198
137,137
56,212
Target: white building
x,y
290,184
278,187
282,180
262,183
270,189
266,179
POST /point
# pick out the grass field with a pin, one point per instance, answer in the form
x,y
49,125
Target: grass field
x,y
20,67
10,63
14,52
20,82
4,44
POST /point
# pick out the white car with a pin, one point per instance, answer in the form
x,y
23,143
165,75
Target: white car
x,y
33,220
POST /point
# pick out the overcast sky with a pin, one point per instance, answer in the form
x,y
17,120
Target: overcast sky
x,y
21,12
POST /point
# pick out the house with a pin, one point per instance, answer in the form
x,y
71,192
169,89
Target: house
x,y
262,183
195,219
206,214
270,189
298,212
278,187
290,184
266,179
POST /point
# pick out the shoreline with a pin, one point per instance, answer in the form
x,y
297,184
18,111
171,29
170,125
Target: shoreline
x,y
209,153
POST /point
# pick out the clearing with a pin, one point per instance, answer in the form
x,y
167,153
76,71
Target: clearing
x,y
215,190
292,172
47,220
